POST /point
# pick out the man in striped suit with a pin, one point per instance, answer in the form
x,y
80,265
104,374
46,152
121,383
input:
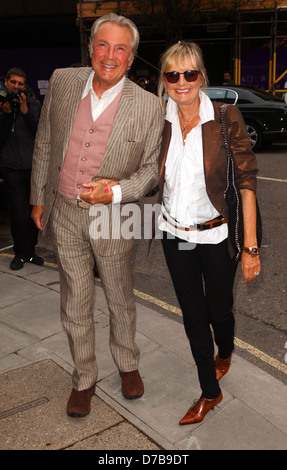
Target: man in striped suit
x,y
97,143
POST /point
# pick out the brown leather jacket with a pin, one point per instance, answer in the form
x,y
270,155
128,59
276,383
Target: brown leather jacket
x,y
215,160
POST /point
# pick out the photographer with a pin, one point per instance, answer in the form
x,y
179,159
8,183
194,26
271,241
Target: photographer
x,y
19,116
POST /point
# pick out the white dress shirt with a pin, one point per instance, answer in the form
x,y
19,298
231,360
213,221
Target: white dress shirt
x,y
185,200
98,105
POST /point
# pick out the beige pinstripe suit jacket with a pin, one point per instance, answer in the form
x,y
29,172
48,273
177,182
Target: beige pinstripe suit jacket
x,y
132,150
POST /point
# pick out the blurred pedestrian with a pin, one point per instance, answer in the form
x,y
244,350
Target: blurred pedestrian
x,y
19,115
132,77
227,80
153,84
142,83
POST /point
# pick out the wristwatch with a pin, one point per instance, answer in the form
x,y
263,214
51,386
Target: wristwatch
x,y
251,250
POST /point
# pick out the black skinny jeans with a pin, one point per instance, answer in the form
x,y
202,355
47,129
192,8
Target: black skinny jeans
x,y
23,228
203,279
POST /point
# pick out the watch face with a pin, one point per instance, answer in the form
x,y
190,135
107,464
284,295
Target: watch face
x,y
253,251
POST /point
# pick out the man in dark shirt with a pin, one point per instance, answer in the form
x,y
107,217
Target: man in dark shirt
x,y
227,80
19,115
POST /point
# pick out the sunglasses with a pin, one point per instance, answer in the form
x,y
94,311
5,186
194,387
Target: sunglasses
x,y
189,75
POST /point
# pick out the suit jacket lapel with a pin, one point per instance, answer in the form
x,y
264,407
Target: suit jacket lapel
x,y
119,125
211,141
73,100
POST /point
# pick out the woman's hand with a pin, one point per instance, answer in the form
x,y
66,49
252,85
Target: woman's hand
x,y
250,266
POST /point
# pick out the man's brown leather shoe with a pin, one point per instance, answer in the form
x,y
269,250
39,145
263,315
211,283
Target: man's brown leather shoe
x,y
197,412
132,385
222,366
79,403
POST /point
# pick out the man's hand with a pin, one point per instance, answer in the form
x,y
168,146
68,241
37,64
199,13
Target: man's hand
x,y
98,192
5,107
37,216
23,104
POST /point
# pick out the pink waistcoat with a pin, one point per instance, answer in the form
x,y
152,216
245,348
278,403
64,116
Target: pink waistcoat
x,y
86,147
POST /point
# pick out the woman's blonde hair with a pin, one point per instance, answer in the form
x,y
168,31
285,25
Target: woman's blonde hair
x,y
179,52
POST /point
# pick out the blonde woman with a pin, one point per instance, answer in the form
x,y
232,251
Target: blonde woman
x,y
194,215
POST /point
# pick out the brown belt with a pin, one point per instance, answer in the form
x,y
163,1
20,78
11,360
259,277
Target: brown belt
x,y
81,204
76,202
203,226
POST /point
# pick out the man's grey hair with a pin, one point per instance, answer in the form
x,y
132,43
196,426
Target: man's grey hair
x,y
121,21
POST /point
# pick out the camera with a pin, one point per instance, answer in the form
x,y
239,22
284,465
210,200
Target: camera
x,y
12,96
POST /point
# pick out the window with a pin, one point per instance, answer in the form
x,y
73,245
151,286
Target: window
x,y
222,95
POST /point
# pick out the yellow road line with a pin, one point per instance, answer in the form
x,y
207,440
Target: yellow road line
x,y
238,342
160,303
261,355
157,302
271,179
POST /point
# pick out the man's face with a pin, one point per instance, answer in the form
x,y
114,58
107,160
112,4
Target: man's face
x,y
15,82
111,54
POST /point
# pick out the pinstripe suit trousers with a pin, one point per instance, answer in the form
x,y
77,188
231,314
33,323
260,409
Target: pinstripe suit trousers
x,y
76,253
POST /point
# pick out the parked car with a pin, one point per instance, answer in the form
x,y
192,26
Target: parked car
x,y
264,114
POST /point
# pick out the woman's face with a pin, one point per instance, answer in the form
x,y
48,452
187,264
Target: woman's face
x,y
184,92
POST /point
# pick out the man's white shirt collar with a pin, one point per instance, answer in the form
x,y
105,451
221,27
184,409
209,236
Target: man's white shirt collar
x,y
109,94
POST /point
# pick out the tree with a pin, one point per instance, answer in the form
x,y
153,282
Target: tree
x,y
168,19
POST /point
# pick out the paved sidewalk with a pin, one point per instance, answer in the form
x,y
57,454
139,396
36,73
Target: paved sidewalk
x,y
35,383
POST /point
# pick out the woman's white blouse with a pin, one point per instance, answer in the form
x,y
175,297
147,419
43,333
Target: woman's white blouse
x,y
185,200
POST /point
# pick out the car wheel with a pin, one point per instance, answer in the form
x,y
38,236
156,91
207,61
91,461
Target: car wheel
x,y
255,136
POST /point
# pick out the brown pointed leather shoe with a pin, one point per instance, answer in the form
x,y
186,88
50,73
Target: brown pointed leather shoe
x,y
79,403
197,412
221,366
132,385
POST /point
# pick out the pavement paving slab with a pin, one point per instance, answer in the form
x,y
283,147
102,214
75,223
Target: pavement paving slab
x,y
33,417
35,382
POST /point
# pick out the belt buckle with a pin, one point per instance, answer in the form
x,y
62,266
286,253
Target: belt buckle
x,y
82,204
201,227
